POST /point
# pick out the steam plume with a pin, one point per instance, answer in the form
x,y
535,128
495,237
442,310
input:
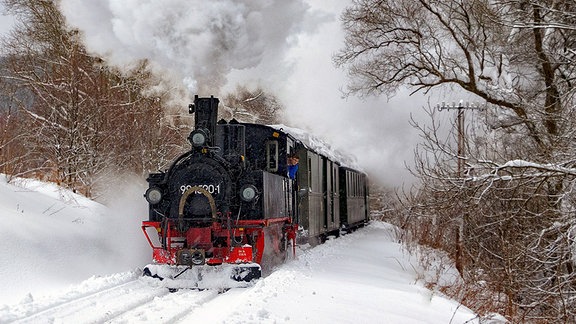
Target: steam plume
x,y
193,42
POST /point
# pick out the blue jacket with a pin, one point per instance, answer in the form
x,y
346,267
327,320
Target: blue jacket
x,y
292,169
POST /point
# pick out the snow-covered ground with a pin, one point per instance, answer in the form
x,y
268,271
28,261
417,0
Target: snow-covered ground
x,y
67,259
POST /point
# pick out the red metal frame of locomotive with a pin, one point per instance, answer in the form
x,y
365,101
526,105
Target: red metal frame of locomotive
x,y
240,253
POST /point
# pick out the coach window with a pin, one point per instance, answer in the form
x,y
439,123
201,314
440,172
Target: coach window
x,y
352,185
272,156
349,184
310,172
334,180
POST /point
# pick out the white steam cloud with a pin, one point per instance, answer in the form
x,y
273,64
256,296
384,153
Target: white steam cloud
x,y
194,42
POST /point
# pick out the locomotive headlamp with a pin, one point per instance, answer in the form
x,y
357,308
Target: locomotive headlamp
x,y
153,195
248,193
198,137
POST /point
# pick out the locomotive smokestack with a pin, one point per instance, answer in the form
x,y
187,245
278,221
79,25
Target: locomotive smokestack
x,y
205,114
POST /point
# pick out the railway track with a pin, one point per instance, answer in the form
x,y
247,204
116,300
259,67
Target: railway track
x,y
128,299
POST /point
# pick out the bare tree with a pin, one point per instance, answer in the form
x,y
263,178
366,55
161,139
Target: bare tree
x,y
252,106
515,195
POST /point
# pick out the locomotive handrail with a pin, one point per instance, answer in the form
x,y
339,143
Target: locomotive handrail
x,y
202,191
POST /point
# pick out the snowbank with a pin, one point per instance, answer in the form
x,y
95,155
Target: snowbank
x,y
52,238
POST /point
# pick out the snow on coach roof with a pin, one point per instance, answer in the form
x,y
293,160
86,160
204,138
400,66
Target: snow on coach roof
x,y
319,146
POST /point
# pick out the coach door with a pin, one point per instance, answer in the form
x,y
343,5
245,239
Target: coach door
x,y
329,194
326,192
335,196
315,201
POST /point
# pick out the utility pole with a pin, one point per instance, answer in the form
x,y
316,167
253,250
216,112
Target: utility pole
x,y
461,152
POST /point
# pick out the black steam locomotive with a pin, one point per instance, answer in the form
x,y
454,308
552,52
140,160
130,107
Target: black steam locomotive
x,y
234,200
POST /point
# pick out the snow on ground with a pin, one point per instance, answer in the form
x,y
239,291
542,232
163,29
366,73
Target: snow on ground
x,y
365,277
58,245
52,238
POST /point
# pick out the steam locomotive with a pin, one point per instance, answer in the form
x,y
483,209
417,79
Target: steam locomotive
x,y
229,205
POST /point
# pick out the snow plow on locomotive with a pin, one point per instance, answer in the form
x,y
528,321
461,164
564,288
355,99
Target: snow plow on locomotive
x,y
230,208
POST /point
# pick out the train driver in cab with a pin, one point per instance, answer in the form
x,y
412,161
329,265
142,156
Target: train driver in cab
x,y
292,165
